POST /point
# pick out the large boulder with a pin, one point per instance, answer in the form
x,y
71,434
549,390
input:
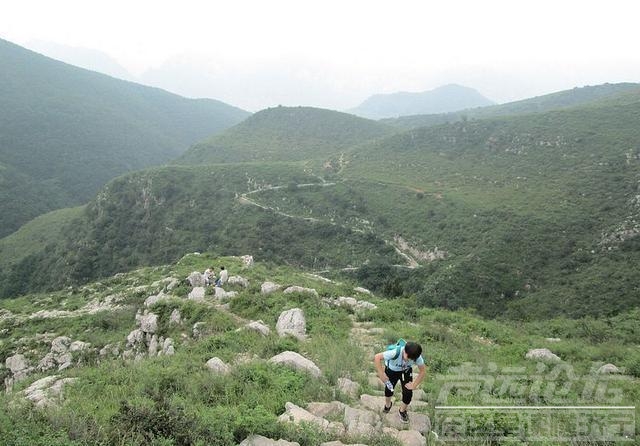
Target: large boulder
x,y
197,293
292,322
269,287
259,440
542,354
295,414
47,391
348,387
299,289
222,294
334,409
247,261
608,369
217,365
237,280
362,422
298,362
149,323
196,279
258,326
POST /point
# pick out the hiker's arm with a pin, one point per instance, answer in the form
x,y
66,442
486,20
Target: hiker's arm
x,y
378,361
422,371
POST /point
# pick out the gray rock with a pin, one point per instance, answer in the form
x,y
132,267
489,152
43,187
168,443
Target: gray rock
x,y
348,387
220,293
296,361
167,347
259,327
64,361
417,421
135,338
608,369
411,438
542,354
175,318
16,363
60,345
259,440
217,365
149,323
79,346
196,279
361,290
299,289
152,300
47,391
247,261
364,416
153,345
237,280
269,287
197,293
334,409
371,402
295,414
292,322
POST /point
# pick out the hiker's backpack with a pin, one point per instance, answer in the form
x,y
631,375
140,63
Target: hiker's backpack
x,y
397,347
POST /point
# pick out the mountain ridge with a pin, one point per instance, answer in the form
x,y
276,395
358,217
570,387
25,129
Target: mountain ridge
x,y
447,98
72,130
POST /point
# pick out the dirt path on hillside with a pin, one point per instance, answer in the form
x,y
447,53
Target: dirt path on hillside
x,y
244,199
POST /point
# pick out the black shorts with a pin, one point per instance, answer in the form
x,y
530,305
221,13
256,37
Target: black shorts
x,y
404,377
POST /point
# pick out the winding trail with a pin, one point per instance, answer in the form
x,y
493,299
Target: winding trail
x,y
244,199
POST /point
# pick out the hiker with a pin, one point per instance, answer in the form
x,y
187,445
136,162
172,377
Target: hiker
x,y
224,275
399,361
209,276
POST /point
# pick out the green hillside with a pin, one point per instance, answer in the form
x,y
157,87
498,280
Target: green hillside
x,y
540,104
445,99
65,131
157,215
286,134
523,216
115,389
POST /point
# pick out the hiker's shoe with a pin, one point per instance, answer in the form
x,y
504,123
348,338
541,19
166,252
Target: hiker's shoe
x,y
387,409
403,416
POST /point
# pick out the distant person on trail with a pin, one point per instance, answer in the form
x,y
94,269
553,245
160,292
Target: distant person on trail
x,y
400,368
224,276
209,276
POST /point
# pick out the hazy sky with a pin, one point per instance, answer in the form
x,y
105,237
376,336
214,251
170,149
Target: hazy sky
x,y
334,54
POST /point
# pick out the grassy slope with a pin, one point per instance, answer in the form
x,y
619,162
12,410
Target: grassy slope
x,y
157,215
36,234
286,134
68,131
176,399
521,205
539,104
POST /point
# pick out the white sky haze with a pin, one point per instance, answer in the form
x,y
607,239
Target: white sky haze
x,y
334,54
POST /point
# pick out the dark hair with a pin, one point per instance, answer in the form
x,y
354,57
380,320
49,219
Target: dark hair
x,y
413,350
222,267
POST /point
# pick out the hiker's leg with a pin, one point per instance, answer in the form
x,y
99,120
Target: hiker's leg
x,y
393,377
407,394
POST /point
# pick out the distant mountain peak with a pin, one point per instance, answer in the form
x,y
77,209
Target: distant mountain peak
x,y
444,99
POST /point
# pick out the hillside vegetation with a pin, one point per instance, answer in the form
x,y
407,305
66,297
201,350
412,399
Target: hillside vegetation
x,y
65,132
286,134
525,216
115,389
540,104
157,215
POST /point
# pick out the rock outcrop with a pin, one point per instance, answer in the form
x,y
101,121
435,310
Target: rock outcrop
x,y
292,322
298,362
542,354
